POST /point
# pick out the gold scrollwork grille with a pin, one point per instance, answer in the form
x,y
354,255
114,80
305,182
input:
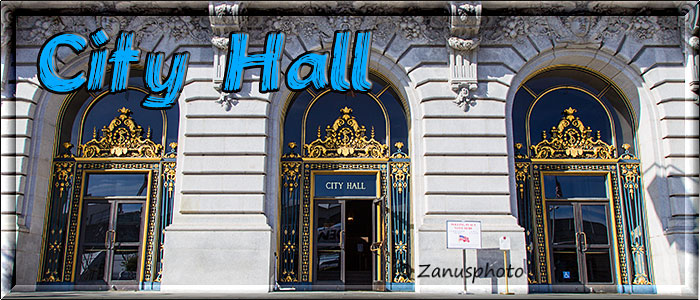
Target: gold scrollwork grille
x,y
345,147
570,148
120,148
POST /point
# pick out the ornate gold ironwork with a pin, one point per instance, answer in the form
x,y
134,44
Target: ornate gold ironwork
x,y
67,150
518,154
121,138
173,151
399,176
346,138
291,153
571,139
627,154
639,253
399,153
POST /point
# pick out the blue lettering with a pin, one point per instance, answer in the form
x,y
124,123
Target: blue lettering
x,y
238,60
173,84
47,67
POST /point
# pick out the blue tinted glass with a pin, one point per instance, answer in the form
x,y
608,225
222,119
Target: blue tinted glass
x,y
327,109
106,109
366,110
548,111
292,121
566,77
397,117
105,184
520,106
572,186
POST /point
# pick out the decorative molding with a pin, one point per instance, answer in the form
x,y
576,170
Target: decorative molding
x,y
121,138
35,30
465,20
693,28
577,29
346,138
224,19
571,139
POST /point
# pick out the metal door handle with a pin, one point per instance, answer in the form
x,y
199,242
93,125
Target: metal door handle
x,y
110,236
585,243
342,239
578,244
375,247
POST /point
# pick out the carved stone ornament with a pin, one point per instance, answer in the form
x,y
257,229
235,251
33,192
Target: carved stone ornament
x,y
148,30
466,18
571,139
462,46
121,138
581,29
346,138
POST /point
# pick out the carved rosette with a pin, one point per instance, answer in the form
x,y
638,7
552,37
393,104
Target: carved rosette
x,y
121,138
346,138
571,139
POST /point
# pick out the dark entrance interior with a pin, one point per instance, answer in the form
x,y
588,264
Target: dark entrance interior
x,y
358,233
343,239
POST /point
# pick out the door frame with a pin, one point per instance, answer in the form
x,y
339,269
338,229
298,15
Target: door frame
x,y
145,216
612,231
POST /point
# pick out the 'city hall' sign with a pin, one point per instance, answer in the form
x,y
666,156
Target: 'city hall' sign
x,y
164,93
345,185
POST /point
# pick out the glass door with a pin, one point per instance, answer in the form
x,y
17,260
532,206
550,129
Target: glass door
x,y
329,244
111,230
580,246
344,237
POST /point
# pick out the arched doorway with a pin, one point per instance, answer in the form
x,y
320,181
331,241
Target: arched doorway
x,y
578,183
344,219
111,197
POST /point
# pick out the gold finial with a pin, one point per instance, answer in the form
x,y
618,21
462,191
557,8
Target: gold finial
x,y
94,132
318,132
626,147
399,145
372,133
346,110
148,134
124,111
67,145
518,146
292,145
172,145
570,111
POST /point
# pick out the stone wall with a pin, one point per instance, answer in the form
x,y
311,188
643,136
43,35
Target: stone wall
x,y
229,144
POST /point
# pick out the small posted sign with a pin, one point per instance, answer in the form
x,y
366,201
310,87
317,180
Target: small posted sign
x,y
504,243
463,235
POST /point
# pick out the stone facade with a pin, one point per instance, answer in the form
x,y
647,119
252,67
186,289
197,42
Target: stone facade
x,y
458,72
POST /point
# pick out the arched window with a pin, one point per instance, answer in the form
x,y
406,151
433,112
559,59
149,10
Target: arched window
x,y
111,197
345,204
578,182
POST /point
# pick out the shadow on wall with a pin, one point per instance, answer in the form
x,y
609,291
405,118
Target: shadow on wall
x,y
685,239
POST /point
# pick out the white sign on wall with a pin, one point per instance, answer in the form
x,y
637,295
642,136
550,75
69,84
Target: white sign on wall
x,y
463,235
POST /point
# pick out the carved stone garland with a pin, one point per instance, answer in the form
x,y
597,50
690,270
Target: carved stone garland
x,y
571,139
346,138
121,138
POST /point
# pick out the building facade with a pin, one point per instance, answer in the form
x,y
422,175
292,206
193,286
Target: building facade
x,y
567,130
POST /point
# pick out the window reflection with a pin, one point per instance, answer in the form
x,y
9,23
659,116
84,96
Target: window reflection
x,y
103,185
561,224
571,186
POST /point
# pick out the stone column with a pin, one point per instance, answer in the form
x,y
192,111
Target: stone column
x,y
219,240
